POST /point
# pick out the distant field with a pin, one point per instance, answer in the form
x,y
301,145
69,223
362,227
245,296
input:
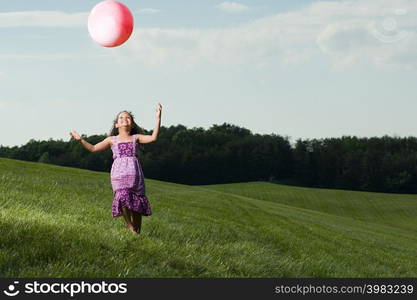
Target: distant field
x,y
56,222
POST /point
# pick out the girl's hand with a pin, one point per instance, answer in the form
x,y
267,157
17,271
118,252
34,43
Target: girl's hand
x,y
75,135
159,111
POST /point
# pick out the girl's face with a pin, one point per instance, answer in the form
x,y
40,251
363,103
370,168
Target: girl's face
x,y
124,120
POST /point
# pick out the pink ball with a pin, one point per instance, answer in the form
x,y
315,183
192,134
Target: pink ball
x,y
110,23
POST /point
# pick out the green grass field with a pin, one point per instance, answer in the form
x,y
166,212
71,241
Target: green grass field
x,y
56,222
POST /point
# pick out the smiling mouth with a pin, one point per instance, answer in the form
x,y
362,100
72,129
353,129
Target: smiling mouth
x,y
11,294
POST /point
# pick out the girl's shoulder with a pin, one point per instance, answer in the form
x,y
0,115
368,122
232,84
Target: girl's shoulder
x,y
111,139
135,137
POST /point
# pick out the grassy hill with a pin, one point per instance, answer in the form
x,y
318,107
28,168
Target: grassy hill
x,y
56,222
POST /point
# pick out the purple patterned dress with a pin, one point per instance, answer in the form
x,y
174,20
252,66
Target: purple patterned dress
x,y
127,179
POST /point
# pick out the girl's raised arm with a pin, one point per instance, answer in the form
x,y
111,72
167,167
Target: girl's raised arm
x,y
103,145
145,139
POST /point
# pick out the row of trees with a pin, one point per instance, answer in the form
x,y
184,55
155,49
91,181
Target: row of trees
x,y
228,153
386,164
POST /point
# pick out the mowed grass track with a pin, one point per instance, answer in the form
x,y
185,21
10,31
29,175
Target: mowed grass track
x,y
396,210
56,222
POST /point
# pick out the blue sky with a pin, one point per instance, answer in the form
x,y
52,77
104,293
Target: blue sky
x,y
303,69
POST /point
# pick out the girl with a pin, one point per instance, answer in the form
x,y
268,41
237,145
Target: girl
x,y
126,174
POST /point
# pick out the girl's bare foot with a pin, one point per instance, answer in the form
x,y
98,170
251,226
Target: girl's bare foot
x,y
132,229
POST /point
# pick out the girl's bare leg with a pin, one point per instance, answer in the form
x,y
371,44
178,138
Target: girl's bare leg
x,y
136,221
127,215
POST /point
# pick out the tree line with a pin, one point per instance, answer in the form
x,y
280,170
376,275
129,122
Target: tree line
x,y
228,153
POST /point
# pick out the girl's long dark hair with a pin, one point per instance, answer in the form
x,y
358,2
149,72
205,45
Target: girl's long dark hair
x,y
134,130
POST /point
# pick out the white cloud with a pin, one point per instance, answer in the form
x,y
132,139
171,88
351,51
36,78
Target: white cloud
x,y
382,33
2,75
51,18
42,19
295,57
342,31
149,11
33,57
379,33
232,7
254,43
53,57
